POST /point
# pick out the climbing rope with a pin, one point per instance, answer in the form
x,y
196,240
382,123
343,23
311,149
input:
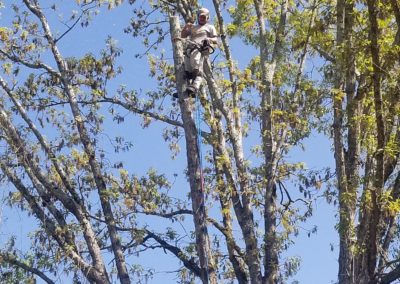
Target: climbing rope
x,y
198,126
200,153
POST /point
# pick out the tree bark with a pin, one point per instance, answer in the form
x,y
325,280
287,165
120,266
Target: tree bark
x,y
380,127
70,250
40,180
242,207
88,146
268,68
345,275
194,169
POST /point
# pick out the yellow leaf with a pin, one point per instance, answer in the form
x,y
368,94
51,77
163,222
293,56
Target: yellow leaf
x,y
4,33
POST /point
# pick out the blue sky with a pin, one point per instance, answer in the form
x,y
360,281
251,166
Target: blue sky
x,y
319,264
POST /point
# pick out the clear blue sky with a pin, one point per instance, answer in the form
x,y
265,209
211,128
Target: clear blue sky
x,y
319,264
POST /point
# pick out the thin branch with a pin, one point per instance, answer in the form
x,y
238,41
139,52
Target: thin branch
x,y
281,185
163,215
396,11
324,53
389,263
125,105
222,229
188,263
168,215
158,41
12,259
143,112
290,200
168,3
35,65
391,225
73,25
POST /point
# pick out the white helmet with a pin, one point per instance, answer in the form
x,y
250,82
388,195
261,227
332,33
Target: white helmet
x,y
204,11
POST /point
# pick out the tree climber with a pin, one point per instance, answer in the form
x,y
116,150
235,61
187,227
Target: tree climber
x,y
201,37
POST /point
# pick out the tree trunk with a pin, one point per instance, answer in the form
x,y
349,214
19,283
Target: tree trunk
x,y
242,207
346,217
268,69
87,145
225,189
380,127
92,273
193,158
244,213
74,204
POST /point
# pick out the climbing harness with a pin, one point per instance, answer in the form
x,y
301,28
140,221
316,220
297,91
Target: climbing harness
x,y
195,52
205,47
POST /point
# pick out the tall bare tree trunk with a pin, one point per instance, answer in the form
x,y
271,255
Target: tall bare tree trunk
x,y
193,158
347,162
345,220
380,127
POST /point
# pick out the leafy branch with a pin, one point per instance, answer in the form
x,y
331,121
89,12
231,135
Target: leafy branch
x,y
13,260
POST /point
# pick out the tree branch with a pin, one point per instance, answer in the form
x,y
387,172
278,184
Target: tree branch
x,y
74,24
73,204
324,54
12,259
188,263
396,11
130,107
125,105
163,215
222,229
169,215
391,276
51,229
33,65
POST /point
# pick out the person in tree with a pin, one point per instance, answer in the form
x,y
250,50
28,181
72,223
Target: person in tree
x,y
201,37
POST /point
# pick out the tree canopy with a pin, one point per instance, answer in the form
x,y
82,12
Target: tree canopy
x,y
224,200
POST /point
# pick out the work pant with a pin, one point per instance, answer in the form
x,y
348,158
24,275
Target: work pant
x,y
194,65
